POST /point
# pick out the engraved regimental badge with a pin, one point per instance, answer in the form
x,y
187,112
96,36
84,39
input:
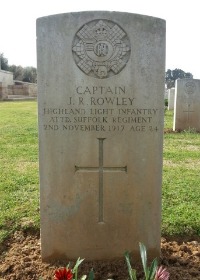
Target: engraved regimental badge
x,y
190,87
101,48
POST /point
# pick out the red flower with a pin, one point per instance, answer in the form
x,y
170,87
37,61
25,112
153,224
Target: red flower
x,y
63,274
161,274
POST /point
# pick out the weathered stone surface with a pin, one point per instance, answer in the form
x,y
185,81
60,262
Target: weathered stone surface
x,y
187,104
101,105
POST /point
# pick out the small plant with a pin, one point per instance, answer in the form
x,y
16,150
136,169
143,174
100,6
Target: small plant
x,y
63,273
67,273
151,273
161,274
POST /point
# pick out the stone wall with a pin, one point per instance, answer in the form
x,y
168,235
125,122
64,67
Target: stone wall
x,y
3,91
21,88
18,90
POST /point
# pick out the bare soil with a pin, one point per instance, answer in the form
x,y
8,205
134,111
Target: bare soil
x,y
21,259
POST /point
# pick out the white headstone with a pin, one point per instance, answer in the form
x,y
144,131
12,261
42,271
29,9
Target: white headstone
x,y
101,107
171,94
187,105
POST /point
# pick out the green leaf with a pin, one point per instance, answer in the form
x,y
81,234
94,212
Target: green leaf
x,y
152,269
83,277
131,271
68,266
143,255
149,272
78,262
75,269
91,275
133,274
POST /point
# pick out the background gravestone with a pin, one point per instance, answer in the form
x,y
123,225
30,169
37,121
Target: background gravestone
x,y
171,94
101,106
187,105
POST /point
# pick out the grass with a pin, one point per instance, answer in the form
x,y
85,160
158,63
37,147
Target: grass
x,y
181,181
19,182
18,167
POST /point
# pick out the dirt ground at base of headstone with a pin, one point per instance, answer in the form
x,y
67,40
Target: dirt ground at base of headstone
x,y
21,259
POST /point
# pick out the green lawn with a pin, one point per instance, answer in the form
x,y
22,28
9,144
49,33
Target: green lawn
x,y
181,181
19,180
19,191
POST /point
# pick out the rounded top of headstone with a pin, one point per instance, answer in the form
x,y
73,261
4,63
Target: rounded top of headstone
x,y
99,12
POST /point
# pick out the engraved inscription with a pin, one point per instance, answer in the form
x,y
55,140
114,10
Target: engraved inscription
x,y
101,48
101,169
110,109
188,112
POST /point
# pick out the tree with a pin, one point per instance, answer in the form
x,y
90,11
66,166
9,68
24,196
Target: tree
x,y
30,75
27,74
3,62
17,72
172,75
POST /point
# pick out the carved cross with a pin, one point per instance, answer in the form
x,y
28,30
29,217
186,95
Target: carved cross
x,y
188,111
101,169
